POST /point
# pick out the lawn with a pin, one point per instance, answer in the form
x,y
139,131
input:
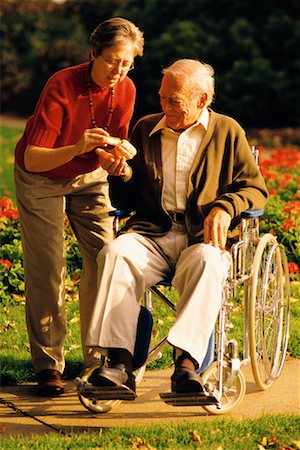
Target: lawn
x,y
274,432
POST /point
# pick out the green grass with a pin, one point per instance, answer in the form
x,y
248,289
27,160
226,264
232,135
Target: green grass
x,y
15,360
274,432
8,140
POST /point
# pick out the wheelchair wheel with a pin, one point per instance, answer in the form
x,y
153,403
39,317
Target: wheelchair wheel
x,y
104,406
268,311
234,388
139,374
93,405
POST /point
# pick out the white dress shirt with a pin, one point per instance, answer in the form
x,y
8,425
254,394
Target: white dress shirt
x,y
178,154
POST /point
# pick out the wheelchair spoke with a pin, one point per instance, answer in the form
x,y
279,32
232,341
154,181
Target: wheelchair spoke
x,y
269,312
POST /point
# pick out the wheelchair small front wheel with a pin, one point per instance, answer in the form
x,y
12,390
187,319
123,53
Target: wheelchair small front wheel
x,y
233,388
139,374
94,405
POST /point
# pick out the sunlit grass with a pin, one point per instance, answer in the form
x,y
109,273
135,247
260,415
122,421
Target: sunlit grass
x,y
8,140
270,432
15,360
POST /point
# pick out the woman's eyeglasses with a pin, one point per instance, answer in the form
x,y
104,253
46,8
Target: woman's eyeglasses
x,y
113,63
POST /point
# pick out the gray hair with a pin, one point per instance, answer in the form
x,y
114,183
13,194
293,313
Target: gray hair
x,y
198,77
116,31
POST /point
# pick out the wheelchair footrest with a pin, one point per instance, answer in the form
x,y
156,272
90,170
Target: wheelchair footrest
x,y
121,392
191,399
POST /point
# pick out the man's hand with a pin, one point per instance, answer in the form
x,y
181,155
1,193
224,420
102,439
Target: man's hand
x,y
125,148
115,166
216,226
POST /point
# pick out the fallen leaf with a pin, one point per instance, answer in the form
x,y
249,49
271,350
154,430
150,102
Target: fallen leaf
x,y
297,443
139,443
285,447
216,431
19,298
195,436
75,319
74,347
273,441
264,441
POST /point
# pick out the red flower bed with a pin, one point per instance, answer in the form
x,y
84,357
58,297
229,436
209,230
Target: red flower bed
x,y
281,170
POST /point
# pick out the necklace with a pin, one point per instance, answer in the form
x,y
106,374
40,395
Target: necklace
x,y
91,103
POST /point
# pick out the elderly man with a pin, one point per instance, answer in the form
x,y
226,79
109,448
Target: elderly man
x,y
192,177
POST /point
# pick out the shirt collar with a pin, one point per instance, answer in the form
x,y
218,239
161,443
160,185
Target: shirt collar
x,y
202,120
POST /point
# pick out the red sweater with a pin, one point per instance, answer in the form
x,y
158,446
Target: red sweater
x,y
62,114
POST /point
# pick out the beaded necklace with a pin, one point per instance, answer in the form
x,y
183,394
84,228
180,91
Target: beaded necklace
x,y
91,103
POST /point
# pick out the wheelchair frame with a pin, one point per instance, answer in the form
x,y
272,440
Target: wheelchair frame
x,y
259,265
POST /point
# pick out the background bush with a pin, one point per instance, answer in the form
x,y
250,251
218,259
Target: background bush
x,y
253,46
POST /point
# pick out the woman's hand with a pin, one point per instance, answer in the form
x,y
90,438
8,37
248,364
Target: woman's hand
x,y
41,159
91,138
97,137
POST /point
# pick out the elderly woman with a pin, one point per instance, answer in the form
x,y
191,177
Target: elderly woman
x,y
59,168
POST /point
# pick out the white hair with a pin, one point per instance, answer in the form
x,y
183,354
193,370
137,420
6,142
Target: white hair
x,y
199,77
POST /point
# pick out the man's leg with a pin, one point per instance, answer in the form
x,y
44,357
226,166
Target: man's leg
x,y
127,266
200,274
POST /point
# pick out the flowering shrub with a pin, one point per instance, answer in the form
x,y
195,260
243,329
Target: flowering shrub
x,y
12,284
282,212
281,217
11,269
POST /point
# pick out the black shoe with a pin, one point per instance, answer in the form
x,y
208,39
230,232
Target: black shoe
x,y
50,383
113,376
184,381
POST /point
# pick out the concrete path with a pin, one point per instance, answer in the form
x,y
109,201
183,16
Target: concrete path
x,y
38,415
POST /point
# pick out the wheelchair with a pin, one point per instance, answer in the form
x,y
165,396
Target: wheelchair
x,y
259,276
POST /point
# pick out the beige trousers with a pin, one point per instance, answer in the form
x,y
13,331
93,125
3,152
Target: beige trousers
x,y
42,205
131,263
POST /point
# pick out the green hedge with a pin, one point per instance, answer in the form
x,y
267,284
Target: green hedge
x,y
253,46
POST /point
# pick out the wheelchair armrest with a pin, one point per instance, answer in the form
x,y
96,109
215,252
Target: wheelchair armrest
x,y
252,213
165,283
120,213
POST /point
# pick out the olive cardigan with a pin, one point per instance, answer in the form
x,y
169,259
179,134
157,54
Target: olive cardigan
x,y
223,174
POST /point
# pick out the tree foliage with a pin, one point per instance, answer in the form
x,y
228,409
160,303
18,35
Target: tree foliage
x,y
252,45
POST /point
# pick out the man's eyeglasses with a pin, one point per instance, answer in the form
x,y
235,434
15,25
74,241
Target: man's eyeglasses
x,y
113,63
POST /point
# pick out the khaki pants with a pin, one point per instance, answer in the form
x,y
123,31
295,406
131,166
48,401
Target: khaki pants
x,y
42,204
131,263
